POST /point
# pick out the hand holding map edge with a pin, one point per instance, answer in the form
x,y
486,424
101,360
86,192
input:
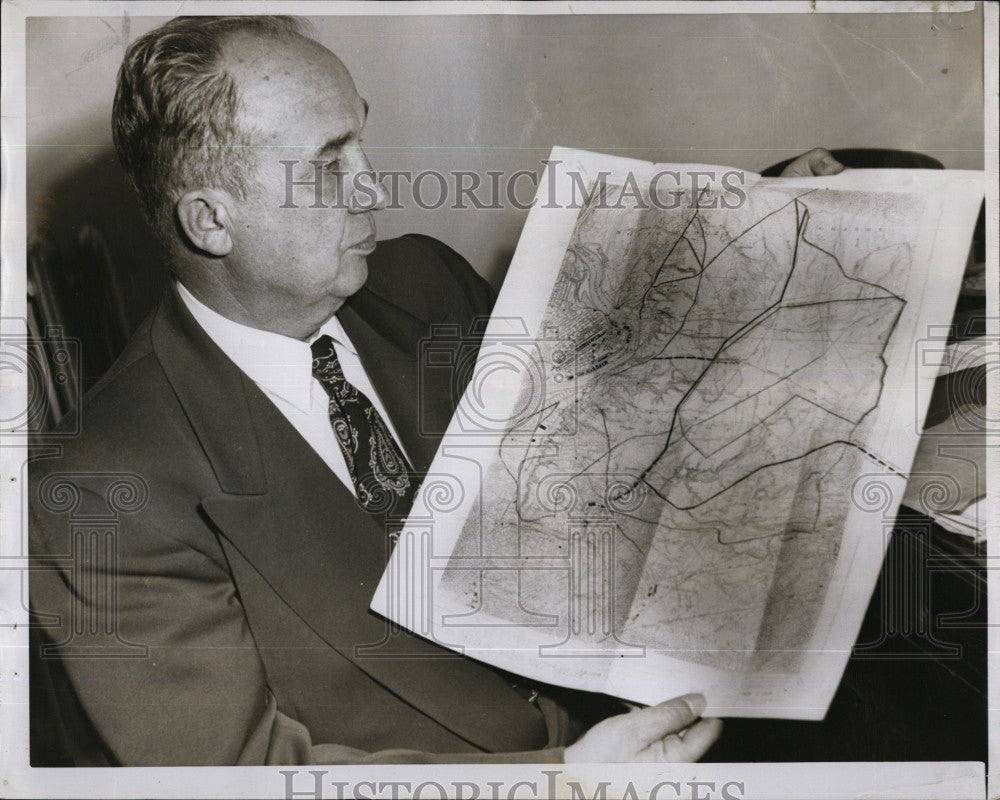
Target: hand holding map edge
x,y
818,161
668,732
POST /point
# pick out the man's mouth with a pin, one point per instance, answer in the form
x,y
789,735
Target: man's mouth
x,y
366,245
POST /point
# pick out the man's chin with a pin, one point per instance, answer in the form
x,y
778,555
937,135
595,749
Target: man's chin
x,y
354,272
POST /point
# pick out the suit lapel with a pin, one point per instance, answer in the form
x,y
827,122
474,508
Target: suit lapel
x,y
286,513
212,391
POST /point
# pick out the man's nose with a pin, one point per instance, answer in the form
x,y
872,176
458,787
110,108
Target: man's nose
x,y
368,194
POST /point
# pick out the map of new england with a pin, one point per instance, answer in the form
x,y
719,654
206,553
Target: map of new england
x,y
676,477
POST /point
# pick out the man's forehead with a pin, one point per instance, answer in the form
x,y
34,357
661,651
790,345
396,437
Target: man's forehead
x,y
278,52
288,78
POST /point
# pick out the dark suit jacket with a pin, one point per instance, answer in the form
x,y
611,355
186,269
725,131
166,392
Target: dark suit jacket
x,y
240,585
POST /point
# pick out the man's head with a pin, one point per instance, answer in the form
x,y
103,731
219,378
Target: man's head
x,y
206,111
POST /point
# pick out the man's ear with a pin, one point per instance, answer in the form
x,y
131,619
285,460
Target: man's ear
x,y
203,215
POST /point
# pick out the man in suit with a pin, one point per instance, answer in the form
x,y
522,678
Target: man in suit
x,y
264,425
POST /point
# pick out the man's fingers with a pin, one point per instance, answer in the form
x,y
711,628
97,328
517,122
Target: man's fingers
x,y
818,161
691,744
667,732
823,163
653,724
694,701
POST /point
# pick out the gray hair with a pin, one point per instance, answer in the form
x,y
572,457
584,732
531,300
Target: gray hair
x,y
175,112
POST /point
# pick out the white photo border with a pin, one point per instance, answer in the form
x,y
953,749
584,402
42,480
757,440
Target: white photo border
x,y
745,781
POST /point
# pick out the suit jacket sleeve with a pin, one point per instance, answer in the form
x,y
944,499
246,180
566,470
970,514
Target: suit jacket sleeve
x,y
179,681
288,742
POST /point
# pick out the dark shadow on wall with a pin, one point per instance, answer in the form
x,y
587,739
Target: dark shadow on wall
x,y
94,268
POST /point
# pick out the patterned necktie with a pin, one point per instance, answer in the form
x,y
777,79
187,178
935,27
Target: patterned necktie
x,y
379,470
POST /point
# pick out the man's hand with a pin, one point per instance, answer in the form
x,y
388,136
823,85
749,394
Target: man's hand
x,y
815,162
670,731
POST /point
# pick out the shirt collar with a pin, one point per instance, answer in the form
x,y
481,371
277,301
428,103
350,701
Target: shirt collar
x,y
278,364
335,330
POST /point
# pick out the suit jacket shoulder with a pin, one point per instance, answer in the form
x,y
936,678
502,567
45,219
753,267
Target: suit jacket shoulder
x,y
427,278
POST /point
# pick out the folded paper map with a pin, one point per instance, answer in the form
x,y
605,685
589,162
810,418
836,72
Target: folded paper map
x,y
689,428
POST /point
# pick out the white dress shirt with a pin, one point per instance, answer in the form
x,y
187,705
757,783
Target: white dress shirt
x,y
282,368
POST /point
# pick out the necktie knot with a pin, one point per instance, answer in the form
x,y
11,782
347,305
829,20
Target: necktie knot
x,y
327,370
325,364
322,349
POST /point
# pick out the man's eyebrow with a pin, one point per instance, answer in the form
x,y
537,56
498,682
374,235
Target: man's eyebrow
x,y
334,144
337,142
